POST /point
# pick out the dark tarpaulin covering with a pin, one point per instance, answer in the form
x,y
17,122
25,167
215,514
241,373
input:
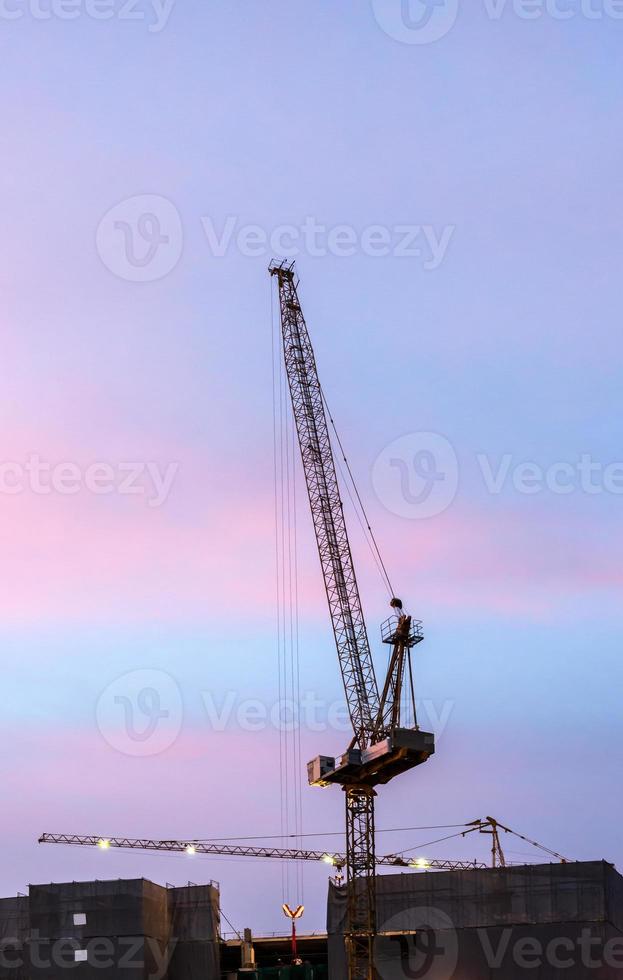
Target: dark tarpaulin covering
x,y
475,919
194,914
194,961
113,908
13,932
150,932
13,918
129,916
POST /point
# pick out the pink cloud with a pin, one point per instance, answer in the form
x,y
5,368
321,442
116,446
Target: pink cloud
x,y
209,550
507,562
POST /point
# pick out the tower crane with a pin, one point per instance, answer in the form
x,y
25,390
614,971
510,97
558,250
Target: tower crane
x,y
380,748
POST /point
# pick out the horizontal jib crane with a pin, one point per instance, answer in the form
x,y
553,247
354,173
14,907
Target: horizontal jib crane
x,y
216,848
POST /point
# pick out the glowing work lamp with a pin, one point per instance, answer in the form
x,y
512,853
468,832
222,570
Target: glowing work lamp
x,y
421,863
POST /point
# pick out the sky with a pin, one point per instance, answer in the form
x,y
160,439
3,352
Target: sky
x,y
448,179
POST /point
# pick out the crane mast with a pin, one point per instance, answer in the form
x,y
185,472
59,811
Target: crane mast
x,y
380,748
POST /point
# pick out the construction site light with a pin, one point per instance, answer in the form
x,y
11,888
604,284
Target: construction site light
x,y
191,849
293,913
420,863
103,844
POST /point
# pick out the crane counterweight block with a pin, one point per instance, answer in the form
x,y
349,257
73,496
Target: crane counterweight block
x,y
403,749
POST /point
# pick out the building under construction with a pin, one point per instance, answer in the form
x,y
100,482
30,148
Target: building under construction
x,y
544,922
111,930
443,920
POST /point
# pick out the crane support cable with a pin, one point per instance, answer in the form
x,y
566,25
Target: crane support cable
x,y
534,843
439,840
327,833
482,825
362,524
373,542
232,927
287,602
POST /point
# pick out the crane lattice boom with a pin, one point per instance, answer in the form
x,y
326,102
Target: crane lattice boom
x,y
239,850
340,580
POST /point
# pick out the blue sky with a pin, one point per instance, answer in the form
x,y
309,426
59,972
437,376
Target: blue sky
x,y
504,136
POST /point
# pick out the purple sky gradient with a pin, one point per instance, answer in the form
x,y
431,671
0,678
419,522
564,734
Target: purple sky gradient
x,y
510,132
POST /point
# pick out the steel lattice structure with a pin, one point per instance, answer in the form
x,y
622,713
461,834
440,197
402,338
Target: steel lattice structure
x,y
349,628
361,869
216,848
380,748
338,570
